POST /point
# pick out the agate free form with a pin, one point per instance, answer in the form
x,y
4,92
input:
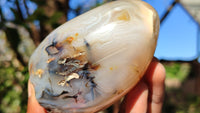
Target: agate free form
x,y
93,60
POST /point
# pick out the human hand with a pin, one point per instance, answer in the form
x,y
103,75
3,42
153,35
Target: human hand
x,y
146,97
33,105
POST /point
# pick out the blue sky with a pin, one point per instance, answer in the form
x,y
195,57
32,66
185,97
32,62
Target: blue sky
x,y
178,33
178,36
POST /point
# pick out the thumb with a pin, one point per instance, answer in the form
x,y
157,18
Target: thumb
x,y
33,105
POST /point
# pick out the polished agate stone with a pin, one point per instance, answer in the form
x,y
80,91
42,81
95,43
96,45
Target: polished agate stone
x,y
93,60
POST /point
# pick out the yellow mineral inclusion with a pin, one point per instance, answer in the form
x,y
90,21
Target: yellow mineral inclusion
x,y
39,72
76,34
51,59
69,39
124,16
112,68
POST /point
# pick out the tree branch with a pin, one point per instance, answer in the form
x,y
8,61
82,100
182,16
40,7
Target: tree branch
x,y
26,7
19,10
1,15
13,39
168,11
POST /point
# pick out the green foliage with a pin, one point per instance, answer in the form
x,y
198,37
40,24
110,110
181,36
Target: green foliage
x,y
53,21
39,14
177,70
13,88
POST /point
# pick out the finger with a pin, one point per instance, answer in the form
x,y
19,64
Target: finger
x,y
33,105
155,77
136,100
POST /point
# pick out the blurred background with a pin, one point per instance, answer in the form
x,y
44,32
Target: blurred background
x,y
25,23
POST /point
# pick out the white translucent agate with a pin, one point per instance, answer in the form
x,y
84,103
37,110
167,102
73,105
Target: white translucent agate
x,y
93,60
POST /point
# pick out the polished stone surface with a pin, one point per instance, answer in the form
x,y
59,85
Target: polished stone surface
x,y
93,60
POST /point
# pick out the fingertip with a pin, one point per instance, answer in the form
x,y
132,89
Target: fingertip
x,y
33,105
160,72
136,100
155,73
